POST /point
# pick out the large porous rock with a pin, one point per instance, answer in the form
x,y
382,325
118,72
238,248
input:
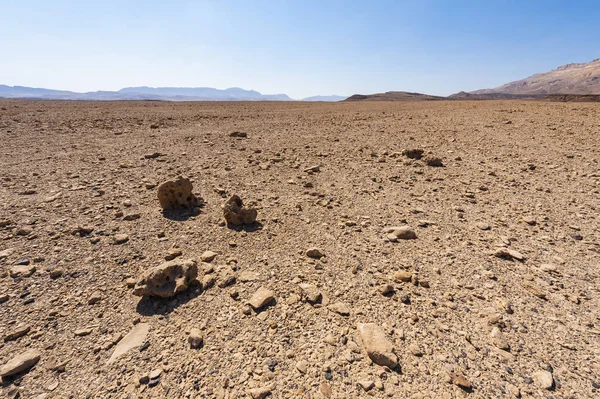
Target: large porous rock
x,y
379,348
236,214
167,279
177,194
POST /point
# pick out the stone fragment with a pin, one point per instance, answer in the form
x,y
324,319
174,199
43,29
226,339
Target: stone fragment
x,y
459,379
6,253
195,339
325,390
401,233
236,214
120,239
173,253
403,276
261,298
20,363
167,279
415,153
95,298
177,195
17,332
533,289
152,155
208,256
507,253
22,271
367,385
314,253
311,293
434,161
543,379
340,308
132,340
530,220
238,134
377,345
498,339
82,332
483,226
259,393
302,366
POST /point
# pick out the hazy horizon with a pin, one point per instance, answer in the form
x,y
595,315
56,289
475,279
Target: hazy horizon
x,y
301,49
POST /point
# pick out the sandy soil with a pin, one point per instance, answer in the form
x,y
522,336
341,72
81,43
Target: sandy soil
x,y
520,180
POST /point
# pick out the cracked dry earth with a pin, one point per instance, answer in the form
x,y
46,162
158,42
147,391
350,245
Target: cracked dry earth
x,y
496,297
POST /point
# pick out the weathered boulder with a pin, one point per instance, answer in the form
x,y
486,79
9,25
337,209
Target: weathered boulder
x,y
176,195
236,214
167,279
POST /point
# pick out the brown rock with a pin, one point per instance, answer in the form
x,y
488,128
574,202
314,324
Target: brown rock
x,y
20,363
401,233
543,379
195,339
208,256
177,195
314,253
403,276
236,214
377,345
22,271
16,333
261,298
168,279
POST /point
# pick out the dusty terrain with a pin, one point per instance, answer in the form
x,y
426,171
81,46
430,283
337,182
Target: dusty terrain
x,y
80,222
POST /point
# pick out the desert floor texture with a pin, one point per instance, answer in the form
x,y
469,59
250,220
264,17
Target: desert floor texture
x,y
498,296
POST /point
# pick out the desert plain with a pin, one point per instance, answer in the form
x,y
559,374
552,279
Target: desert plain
x,y
495,293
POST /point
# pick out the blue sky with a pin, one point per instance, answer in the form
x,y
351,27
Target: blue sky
x,y
300,48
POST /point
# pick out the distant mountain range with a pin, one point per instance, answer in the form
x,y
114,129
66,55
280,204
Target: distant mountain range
x,y
154,93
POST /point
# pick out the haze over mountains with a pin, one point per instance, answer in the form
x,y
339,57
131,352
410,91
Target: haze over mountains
x,y
154,93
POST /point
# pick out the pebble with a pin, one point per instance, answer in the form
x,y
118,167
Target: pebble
x,y
498,339
483,226
325,390
534,289
20,363
302,366
82,332
173,253
367,385
403,276
400,233
95,298
379,348
259,393
543,379
529,220
314,253
208,256
120,239
261,298
195,339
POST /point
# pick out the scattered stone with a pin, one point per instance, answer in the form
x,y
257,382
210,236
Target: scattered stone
x,y
458,379
377,345
400,233
386,289
498,339
314,253
529,220
177,195
195,339
23,262
17,333
82,332
340,308
152,155
313,169
548,268
208,256
434,161
507,253
403,276
22,271
367,385
134,339
302,366
534,289
56,272
20,363
415,350
120,239
238,134
311,293
131,216
226,279
236,214
167,279
154,377
483,226
95,298
325,390
173,253
543,379
415,153
261,298
259,393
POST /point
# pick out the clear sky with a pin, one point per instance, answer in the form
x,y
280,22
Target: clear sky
x,y
300,48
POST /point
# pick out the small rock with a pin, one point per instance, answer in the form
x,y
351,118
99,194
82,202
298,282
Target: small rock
x,y
543,379
386,289
131,216
534,289
507,253
236,214
173,253
434,161
377,345
259,393
120,239
314,253
6,253
82,332
22,271
498,339
483,226
177,195
152,155
208,256
167,279
56,272
529,220
95,298
401,232
195,339
415,153
4,298
367,385
17,332
261,298
458,379
403,276
302,366
238,134
415,350
132,340
325,390
20,363
311,293
340,308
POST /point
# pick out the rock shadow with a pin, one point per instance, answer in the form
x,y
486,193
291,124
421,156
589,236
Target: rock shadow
x,y
152,306
248,228
181,215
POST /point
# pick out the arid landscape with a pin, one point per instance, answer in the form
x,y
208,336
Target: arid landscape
x,y
428,249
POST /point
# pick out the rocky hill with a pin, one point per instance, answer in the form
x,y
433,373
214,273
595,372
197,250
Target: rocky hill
x,y
394,96
583,78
